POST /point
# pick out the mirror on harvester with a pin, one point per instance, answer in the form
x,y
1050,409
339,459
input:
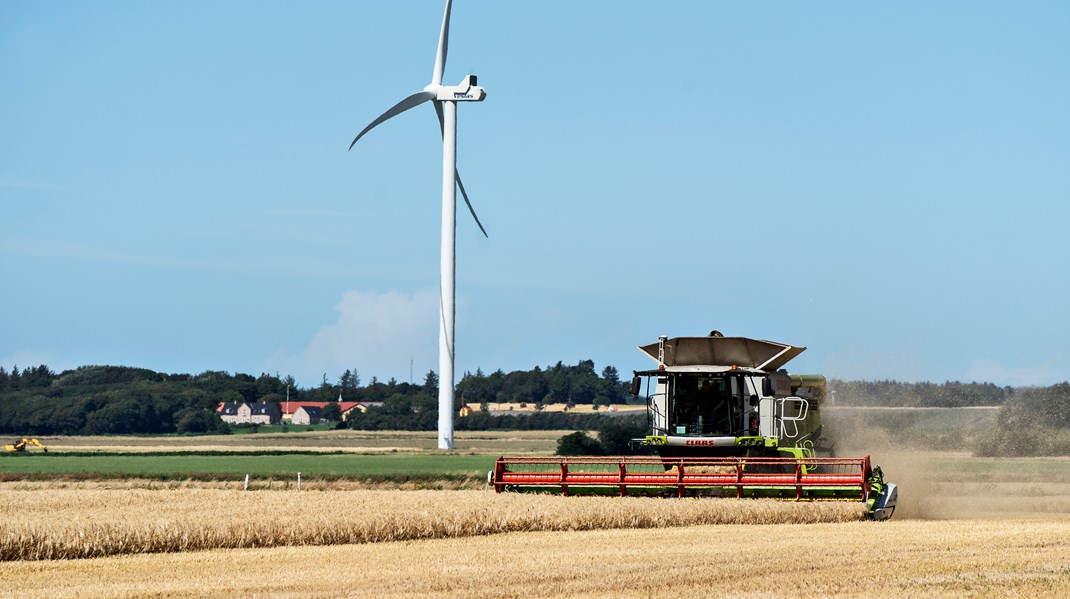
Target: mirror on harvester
x,y
636,382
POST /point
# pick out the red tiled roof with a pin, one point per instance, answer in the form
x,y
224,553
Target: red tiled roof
x,y
291,407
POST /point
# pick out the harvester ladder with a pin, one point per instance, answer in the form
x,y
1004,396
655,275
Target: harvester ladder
x,y
789,425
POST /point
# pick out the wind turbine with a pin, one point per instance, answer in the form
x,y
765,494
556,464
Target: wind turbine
x,y
444,98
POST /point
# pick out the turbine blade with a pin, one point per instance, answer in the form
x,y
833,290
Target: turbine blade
x,y
464,195
441,119
413,100
443,47
456,173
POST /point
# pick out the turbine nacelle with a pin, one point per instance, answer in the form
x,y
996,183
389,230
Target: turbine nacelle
x,y
466,91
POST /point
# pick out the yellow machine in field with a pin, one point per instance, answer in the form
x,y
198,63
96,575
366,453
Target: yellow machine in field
x,y
22,443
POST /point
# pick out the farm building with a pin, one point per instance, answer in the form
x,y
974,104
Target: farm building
x,y
228,411
274,413
289,408
307,415
249,412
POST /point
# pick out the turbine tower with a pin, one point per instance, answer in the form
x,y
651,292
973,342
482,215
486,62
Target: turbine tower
x,y
445,99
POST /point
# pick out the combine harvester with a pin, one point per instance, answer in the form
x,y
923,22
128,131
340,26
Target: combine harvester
x,y
725,421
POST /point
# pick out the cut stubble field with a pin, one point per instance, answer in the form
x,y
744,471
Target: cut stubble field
x,y
350,441
859,559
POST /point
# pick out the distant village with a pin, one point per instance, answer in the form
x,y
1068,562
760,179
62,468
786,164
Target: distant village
x,y
289,412
312,412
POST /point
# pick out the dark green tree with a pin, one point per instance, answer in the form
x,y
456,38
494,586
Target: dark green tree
x,y
345,380
431,383
331,412
190,420
616,435
579,443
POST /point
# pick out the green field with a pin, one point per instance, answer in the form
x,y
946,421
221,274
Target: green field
x,y
346,455
224,466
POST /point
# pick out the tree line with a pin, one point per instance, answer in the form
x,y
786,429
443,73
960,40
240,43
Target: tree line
x,y
1034,421
125,400
951,394
96,400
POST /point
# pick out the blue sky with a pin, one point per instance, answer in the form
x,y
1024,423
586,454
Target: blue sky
x,y
886,185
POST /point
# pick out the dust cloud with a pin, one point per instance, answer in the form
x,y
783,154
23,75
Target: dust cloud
x,y
928,453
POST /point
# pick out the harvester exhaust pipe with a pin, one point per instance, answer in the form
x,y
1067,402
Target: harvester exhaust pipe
x,y
815,382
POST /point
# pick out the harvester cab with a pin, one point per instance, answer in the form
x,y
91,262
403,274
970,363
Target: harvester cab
x,y
728,396
726,421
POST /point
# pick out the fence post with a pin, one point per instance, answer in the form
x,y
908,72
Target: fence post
x,y
298,481
246,483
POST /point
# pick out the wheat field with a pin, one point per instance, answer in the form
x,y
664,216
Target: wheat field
x,y
131,538
74,522
196,540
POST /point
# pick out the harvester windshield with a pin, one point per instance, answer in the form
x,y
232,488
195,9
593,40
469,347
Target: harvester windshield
x,y
710,404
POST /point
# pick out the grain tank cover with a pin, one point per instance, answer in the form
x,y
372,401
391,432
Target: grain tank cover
x,y
724,351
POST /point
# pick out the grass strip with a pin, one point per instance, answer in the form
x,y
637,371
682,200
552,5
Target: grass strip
x,y
226,465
